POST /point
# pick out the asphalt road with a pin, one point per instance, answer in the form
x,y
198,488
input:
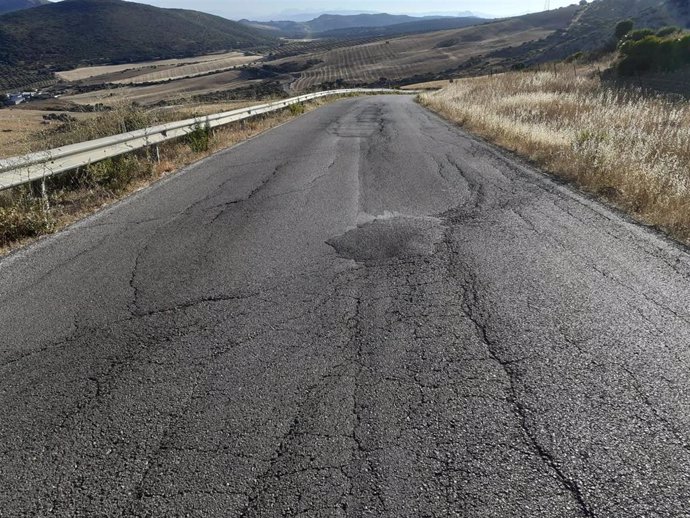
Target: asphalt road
x,y
365,312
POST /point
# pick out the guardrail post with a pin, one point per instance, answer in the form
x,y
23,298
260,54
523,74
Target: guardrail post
x,y
44,197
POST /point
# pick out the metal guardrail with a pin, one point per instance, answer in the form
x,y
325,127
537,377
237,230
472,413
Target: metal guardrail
x,y
44,164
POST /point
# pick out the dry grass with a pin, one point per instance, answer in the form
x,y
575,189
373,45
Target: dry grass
x,y
18,127
122,119
23,129
427,85
631,149
24,215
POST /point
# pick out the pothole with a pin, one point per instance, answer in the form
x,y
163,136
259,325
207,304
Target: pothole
x,y
389,237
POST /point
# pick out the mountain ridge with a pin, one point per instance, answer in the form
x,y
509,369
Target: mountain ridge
x,y
334,22
75,32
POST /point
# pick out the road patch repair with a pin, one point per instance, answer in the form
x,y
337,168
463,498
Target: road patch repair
x,y
388,237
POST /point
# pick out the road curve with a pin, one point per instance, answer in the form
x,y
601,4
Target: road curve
x,y
365,312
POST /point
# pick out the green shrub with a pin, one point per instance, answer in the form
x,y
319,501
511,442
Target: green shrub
x,y
639,34
296,109
199,138
135,119
116,173
654,54
667,31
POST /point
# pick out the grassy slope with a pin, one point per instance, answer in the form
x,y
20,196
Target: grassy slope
x,y
593,28
98,31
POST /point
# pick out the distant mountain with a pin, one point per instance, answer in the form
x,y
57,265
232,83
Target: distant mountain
x,y
74,32
332,22
8,6
400,29
301,16
456,14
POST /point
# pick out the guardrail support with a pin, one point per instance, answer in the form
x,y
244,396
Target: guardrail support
x,y
44,196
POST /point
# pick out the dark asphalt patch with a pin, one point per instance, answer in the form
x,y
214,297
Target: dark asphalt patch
x,y
389,237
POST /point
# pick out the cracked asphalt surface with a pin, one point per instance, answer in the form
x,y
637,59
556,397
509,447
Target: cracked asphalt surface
x,y
365,312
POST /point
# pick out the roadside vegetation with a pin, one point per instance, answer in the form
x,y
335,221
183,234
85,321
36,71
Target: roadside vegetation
x,y
26,212
646,50
627,147
121,119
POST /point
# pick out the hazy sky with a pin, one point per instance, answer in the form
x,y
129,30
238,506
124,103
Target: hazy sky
x,y
272,9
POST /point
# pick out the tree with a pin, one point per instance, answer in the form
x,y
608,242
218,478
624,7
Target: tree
x,y
623,27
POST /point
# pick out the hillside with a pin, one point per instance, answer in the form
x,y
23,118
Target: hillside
x,y
593,29
8,6
332,22
73,32
415,58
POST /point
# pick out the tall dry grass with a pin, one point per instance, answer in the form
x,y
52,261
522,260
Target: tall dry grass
x,y
630,148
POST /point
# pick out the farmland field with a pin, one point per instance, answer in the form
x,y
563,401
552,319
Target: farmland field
x,y
191,70
168,91
12,78
404,57
148,67
311,46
